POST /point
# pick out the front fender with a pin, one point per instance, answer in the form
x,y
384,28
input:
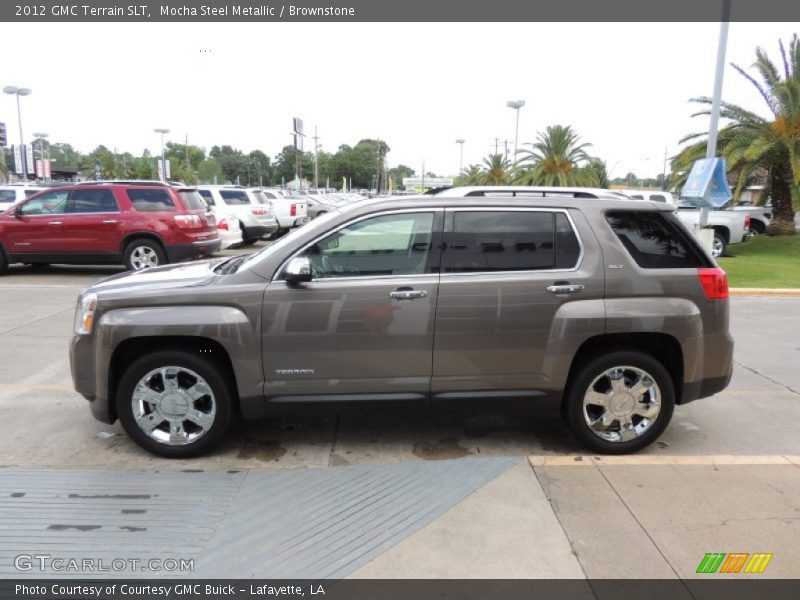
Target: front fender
x,y
228,326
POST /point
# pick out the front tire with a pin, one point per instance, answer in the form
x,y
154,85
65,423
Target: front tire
x,y
619,402
174,404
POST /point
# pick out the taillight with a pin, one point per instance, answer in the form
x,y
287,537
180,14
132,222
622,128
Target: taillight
x,y
259,211
222,225
715,283
747,222
187,221
293,211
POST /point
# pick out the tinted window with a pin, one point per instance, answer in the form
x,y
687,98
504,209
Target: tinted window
x,y
92,201
654,240
657,198
192,200
234,197
510,241
7,196
568,249
151,200
46,204
29,193
207,196
386,245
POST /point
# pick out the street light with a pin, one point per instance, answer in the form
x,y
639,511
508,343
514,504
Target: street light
x,y
516,105
460,142
42,137
163,158
17,91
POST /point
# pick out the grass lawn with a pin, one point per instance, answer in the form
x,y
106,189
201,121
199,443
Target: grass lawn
x,y
768,262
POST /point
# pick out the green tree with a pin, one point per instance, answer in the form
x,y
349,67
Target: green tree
x,y
496,170
398,173
470,175
557,158
598,167
750,142
209,171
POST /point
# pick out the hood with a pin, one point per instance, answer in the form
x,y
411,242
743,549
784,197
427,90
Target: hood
x,y
181,275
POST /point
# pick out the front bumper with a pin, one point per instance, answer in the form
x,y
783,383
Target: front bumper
x,y
82,367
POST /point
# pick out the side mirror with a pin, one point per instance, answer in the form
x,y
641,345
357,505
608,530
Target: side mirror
x,y
298,270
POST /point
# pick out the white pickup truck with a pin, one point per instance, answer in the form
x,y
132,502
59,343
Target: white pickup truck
x,y
730,226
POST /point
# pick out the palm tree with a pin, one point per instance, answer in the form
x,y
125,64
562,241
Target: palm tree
x,y
557,158
471,175
750,142
496,170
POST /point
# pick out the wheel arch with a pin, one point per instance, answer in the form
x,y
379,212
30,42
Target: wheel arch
x,y
145,235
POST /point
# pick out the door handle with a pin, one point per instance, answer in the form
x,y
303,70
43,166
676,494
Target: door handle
x,y
407,294
564,288
54,223
109,222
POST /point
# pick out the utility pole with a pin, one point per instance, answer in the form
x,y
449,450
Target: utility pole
x,y
664,172
496,140
186,147
316,139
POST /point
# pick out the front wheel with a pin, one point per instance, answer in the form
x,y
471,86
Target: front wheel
x,y
174,404
619,402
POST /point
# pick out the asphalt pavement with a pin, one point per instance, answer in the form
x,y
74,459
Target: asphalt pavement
x,y
725,476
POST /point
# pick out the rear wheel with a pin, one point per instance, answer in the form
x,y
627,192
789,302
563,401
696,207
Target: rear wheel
x,y
174,404
619,402
719,246
143,254
3,262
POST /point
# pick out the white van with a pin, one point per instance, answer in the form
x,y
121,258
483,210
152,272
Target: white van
x,y
11,193
256,220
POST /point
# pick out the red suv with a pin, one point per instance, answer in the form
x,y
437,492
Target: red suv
x,y
138,224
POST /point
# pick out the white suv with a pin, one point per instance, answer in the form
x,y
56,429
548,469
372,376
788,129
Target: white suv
x,y
12,193
290,212
255,219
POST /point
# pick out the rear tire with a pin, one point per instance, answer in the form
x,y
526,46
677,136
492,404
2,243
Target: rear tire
x,y
619,402
719,247
143,254
3,262
185,418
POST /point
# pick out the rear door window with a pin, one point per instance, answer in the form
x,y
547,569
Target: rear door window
x,y
487,241
151,200
92,201
655,240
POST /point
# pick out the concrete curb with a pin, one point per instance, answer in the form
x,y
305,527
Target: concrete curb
x,y
776,292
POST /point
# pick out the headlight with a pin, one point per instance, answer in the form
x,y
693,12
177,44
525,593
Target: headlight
x,y
84,314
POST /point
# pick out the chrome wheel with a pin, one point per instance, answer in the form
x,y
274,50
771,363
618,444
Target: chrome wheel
x,y
143,257
173,406
621,404
717,247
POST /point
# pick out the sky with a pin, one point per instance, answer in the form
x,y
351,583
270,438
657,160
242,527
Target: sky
x,y
624,87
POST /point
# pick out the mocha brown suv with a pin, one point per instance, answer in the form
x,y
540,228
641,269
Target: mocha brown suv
x,y
609,305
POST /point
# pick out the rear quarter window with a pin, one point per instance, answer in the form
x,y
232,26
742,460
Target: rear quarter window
x,y
655,240
151,200
235,197
191,200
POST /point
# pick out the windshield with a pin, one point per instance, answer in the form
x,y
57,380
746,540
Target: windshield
x,y
288,240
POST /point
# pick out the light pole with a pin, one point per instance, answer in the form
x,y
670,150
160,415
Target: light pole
x,y
516,105
163,158
460,142
17,91
42,137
